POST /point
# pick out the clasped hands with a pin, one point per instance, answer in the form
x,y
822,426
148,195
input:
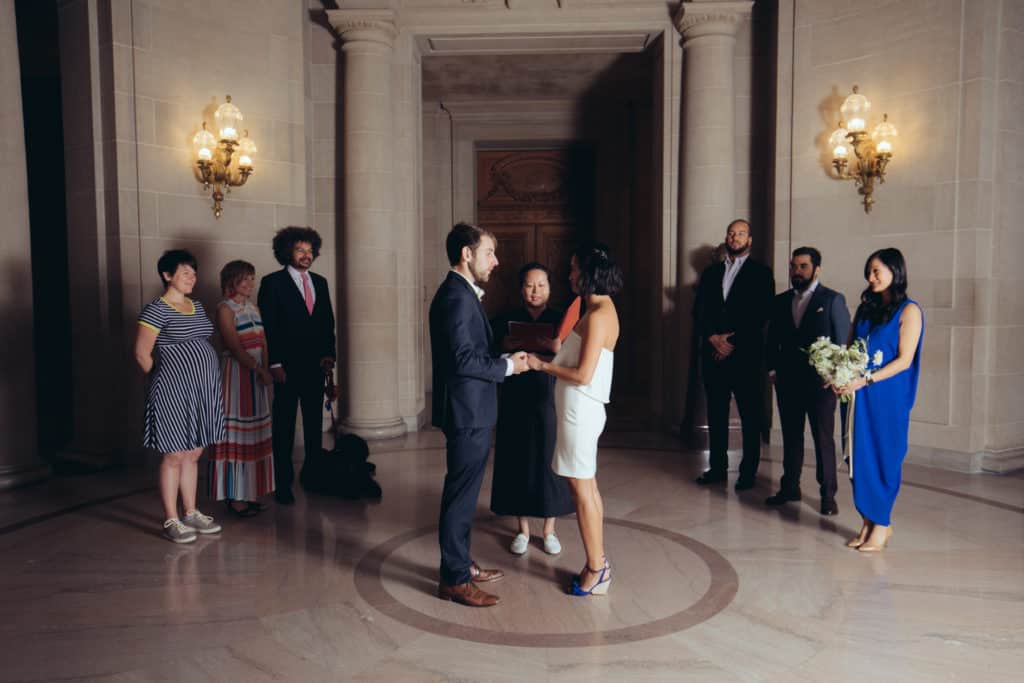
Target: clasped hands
x,y
524,362
723,348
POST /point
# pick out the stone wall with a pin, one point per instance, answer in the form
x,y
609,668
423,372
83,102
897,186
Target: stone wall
x,y
948,73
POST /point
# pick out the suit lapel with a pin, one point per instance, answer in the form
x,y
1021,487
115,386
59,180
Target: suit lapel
x,y
479,304
295,295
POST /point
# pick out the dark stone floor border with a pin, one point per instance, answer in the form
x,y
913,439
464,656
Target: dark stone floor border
x,y
721,591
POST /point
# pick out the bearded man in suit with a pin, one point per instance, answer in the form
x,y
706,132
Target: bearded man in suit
x,y
733,299
465,404
799,317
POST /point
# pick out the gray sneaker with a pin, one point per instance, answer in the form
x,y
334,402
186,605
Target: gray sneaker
x,y
202,524
177,532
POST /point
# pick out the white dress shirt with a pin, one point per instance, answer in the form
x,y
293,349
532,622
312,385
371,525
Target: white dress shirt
x,y
800,301
510,366
732,268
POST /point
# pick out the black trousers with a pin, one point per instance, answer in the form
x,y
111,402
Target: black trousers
x,y
307,392
804,397
467,460
720,383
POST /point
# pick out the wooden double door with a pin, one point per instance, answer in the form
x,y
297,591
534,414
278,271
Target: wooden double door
x,y
538,203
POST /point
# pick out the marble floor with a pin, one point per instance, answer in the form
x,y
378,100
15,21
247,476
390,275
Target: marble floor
x,y
709,585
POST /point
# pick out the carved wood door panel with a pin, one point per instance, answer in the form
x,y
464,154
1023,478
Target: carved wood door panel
x,y
524,198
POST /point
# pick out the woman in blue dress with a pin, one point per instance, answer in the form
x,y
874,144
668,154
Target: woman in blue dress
x,y
893,326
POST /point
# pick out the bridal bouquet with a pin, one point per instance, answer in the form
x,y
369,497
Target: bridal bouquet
x,y
839,365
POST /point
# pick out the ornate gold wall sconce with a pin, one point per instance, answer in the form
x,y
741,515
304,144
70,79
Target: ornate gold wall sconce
x,y
873,155
218,167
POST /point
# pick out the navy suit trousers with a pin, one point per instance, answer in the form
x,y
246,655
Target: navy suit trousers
x,y
467,459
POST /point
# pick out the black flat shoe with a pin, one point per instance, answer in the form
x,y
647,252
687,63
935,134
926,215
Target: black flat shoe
x,y
284,496
744,484
711,477
783,497
247,511
829,507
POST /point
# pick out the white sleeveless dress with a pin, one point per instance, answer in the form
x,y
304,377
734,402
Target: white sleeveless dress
x,y
580,412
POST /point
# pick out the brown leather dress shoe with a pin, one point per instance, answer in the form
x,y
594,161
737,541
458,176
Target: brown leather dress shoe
x,y
466,594
484,575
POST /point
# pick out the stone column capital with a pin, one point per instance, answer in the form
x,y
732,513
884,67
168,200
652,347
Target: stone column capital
x,y
369,25
711,18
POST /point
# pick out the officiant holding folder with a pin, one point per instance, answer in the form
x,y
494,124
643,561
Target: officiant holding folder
x,y
524,484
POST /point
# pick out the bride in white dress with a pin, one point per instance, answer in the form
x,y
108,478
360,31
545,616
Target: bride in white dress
x,y
583,369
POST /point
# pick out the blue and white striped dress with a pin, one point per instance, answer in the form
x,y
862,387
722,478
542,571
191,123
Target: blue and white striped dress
x,y
183,404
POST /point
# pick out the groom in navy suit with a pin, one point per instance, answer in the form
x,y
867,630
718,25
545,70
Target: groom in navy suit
x,y
799,316
465,404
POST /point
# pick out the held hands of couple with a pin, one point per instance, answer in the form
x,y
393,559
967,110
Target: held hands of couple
x,y
519,362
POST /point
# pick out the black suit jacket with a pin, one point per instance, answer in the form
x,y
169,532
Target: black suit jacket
x,y
297,339
744,313
826,315
466,371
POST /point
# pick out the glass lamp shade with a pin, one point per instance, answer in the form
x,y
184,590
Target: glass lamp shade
x,y
839,143
228,117
855,111
204,144
246,151
883,135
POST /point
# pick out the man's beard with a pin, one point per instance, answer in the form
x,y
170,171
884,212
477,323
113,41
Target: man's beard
x,y
800,284
737,252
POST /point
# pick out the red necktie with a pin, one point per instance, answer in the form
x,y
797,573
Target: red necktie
x,y
307,293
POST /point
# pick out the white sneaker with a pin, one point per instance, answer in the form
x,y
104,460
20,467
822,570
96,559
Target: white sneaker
x,y
551,545
202,524
520,544
177,532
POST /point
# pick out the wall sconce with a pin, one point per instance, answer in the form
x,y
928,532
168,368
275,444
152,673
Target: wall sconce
x,y
218,167
872,156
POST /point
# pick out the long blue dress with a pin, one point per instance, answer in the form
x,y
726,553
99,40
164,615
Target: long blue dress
x,y
881,420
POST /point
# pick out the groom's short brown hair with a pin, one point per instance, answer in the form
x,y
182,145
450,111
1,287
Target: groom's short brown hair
x,y
464,235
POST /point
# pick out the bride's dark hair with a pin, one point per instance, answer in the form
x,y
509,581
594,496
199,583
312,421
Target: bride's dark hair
x,y
872,306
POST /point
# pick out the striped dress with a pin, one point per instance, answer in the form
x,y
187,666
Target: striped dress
x,y
242,465
183,408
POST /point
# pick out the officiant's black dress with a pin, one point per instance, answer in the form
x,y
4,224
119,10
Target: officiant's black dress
x,y
523,482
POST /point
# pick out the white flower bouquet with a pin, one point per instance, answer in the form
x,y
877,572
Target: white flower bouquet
x,y
839,365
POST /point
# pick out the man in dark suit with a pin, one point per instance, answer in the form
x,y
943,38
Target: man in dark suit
x,y
465,404
732,304
799,316
299,322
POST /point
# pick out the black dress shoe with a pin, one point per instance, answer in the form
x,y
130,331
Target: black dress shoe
x,y
284,496
744,484
829,507
711,477
783,497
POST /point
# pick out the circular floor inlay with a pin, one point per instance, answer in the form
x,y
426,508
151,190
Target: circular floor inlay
x,y
674,580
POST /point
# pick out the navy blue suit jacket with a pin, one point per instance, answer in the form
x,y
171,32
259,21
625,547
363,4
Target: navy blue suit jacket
x,y
466,371
826,315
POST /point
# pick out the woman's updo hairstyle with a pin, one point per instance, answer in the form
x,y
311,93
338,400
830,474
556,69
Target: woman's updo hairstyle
x,y
599,274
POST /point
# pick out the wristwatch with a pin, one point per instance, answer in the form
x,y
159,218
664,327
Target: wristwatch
x,y
868,379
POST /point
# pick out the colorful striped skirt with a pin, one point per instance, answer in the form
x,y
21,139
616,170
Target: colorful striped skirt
x,y
242,466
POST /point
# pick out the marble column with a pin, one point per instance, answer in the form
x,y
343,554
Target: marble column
x,y
708,156
369,279
19,456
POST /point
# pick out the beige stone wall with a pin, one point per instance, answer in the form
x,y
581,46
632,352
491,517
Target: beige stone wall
x,y
140,77
948,73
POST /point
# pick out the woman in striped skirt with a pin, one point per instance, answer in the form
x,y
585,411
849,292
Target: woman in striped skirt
x,y
183,409
242,466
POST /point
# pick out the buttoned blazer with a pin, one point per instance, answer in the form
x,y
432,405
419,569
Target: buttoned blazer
x,y
743,313
826,315
466,370
296,339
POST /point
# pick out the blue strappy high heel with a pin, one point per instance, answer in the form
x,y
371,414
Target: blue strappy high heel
x,y
604,581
